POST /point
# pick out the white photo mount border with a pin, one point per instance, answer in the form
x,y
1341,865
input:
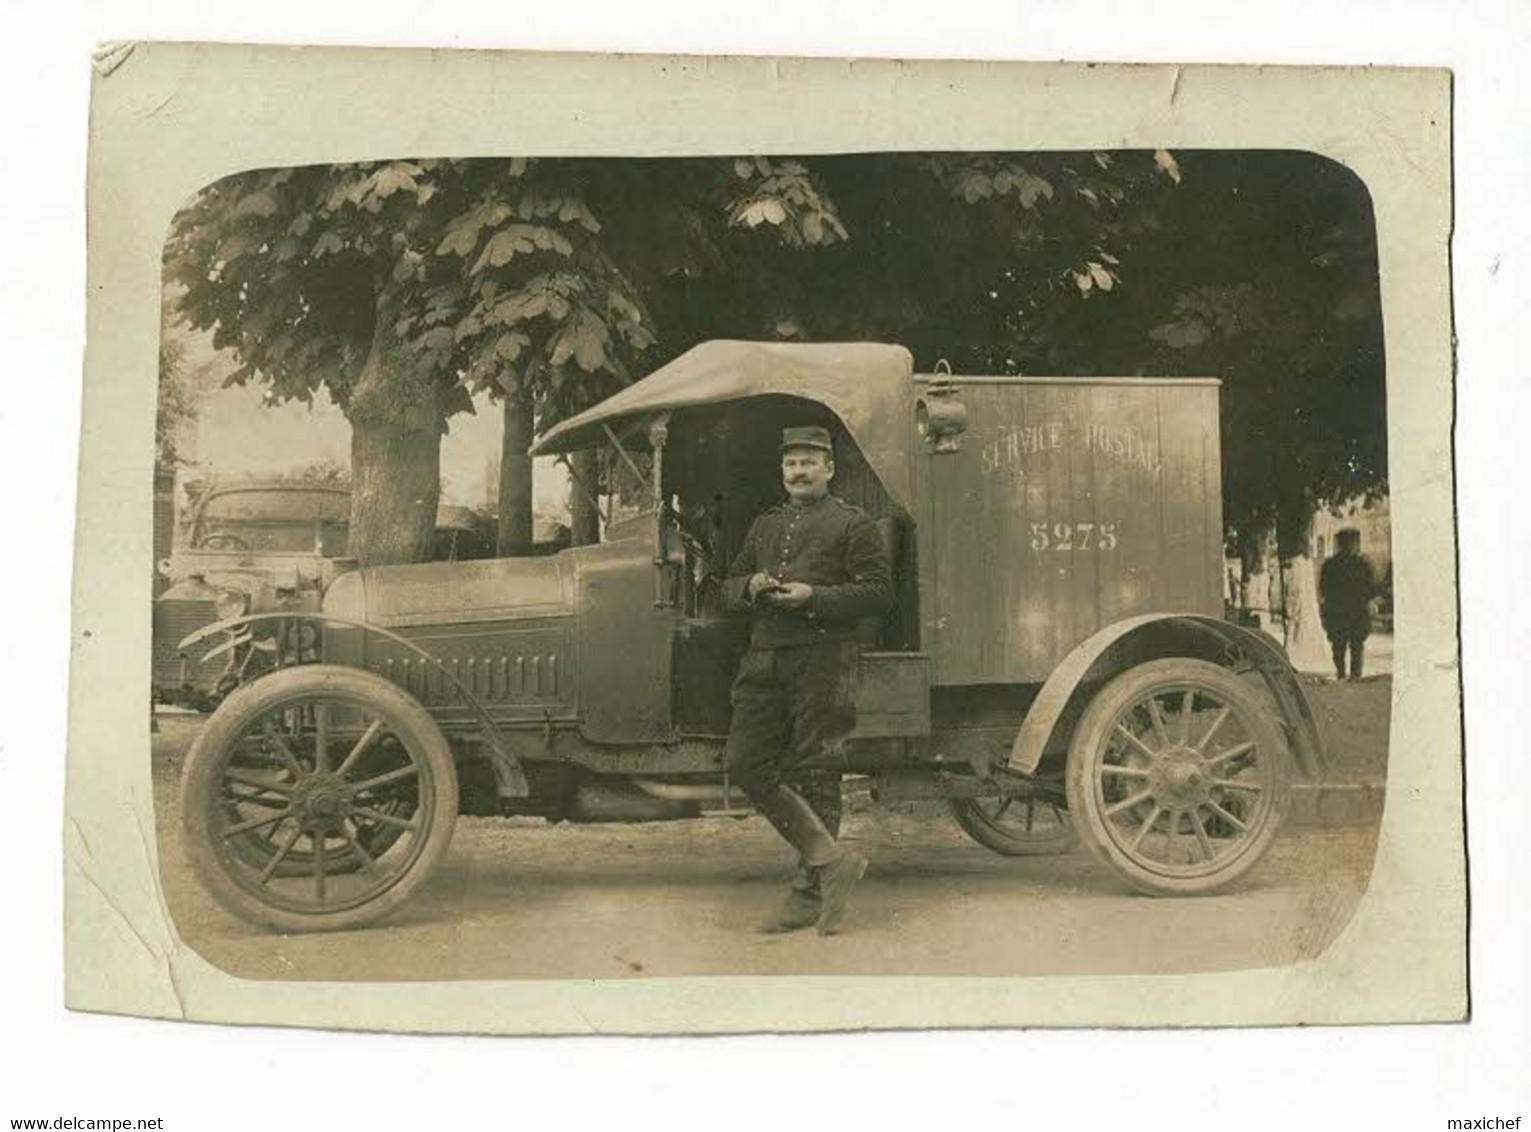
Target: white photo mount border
x,y
167,119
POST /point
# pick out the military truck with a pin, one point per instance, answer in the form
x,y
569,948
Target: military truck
x,y
1056,664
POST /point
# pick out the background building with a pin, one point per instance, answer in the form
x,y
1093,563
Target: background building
x,y
1373,519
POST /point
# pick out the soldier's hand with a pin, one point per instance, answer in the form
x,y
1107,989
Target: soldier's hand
x,y
792,595
760,583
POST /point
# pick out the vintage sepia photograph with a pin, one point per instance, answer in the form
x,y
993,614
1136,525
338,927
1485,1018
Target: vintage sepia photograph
x,y
632,552
1008,531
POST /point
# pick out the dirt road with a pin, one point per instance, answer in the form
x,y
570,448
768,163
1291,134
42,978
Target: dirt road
x,y
522,899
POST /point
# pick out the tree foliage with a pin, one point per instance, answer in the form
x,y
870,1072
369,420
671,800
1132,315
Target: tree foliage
x,y
1278,295
487,273
403,287
176,404
406,286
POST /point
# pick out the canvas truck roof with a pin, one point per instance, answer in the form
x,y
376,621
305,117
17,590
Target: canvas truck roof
x,y
866,384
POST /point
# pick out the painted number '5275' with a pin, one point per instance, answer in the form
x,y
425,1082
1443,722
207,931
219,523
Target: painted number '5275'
x,y
1073,536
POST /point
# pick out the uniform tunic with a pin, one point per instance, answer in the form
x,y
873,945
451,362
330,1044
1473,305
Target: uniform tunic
x,y
794,695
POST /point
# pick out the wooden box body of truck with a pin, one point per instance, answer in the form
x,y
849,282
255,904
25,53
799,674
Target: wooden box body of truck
x,y
1067,506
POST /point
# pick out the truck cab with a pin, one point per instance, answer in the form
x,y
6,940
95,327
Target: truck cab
x,y
704,433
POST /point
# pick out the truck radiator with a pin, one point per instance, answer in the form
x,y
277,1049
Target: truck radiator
x,y
174,621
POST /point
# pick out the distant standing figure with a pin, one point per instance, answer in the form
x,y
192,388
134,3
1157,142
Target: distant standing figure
x,y
1346,586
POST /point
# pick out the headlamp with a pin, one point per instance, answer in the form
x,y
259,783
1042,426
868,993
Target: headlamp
x,y
231,605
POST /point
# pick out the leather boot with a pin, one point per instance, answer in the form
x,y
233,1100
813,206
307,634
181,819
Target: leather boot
x,y
800,909
835,883
821,790
793,818
838,869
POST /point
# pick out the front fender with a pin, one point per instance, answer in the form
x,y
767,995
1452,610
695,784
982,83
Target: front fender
x,y
1172,634
512,778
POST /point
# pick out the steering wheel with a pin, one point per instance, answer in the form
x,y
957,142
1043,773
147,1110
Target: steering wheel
x,y
703,571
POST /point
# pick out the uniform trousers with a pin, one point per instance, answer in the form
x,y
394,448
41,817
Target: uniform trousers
x,y
793,706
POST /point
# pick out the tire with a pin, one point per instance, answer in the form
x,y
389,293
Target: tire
x,y
1170,813
258,760
1000,825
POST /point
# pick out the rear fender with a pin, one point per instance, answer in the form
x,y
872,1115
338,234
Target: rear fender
x,y
512,778
1156,635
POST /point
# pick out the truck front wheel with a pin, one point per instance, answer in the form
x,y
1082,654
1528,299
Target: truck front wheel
x,y
318,798
1178,777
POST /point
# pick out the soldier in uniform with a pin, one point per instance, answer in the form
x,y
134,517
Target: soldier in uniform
x,y
809,570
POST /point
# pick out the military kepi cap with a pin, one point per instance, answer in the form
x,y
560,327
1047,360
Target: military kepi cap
x,y
811,437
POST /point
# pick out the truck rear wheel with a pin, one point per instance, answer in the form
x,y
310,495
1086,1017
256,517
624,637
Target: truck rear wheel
x,y
1178,777
1016,825
318,798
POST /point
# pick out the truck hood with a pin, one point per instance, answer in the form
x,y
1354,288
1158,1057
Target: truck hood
x,y
454,593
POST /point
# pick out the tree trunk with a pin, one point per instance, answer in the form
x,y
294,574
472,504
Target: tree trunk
x,y
1254,577
395,488
1253,544
395,412
1305,642
584,517
515,538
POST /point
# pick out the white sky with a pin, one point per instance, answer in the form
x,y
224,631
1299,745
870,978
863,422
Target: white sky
x,y
236,433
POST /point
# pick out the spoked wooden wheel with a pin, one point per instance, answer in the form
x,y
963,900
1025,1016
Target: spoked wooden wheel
x,y
317,798
1177,777
1017,825
258,843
